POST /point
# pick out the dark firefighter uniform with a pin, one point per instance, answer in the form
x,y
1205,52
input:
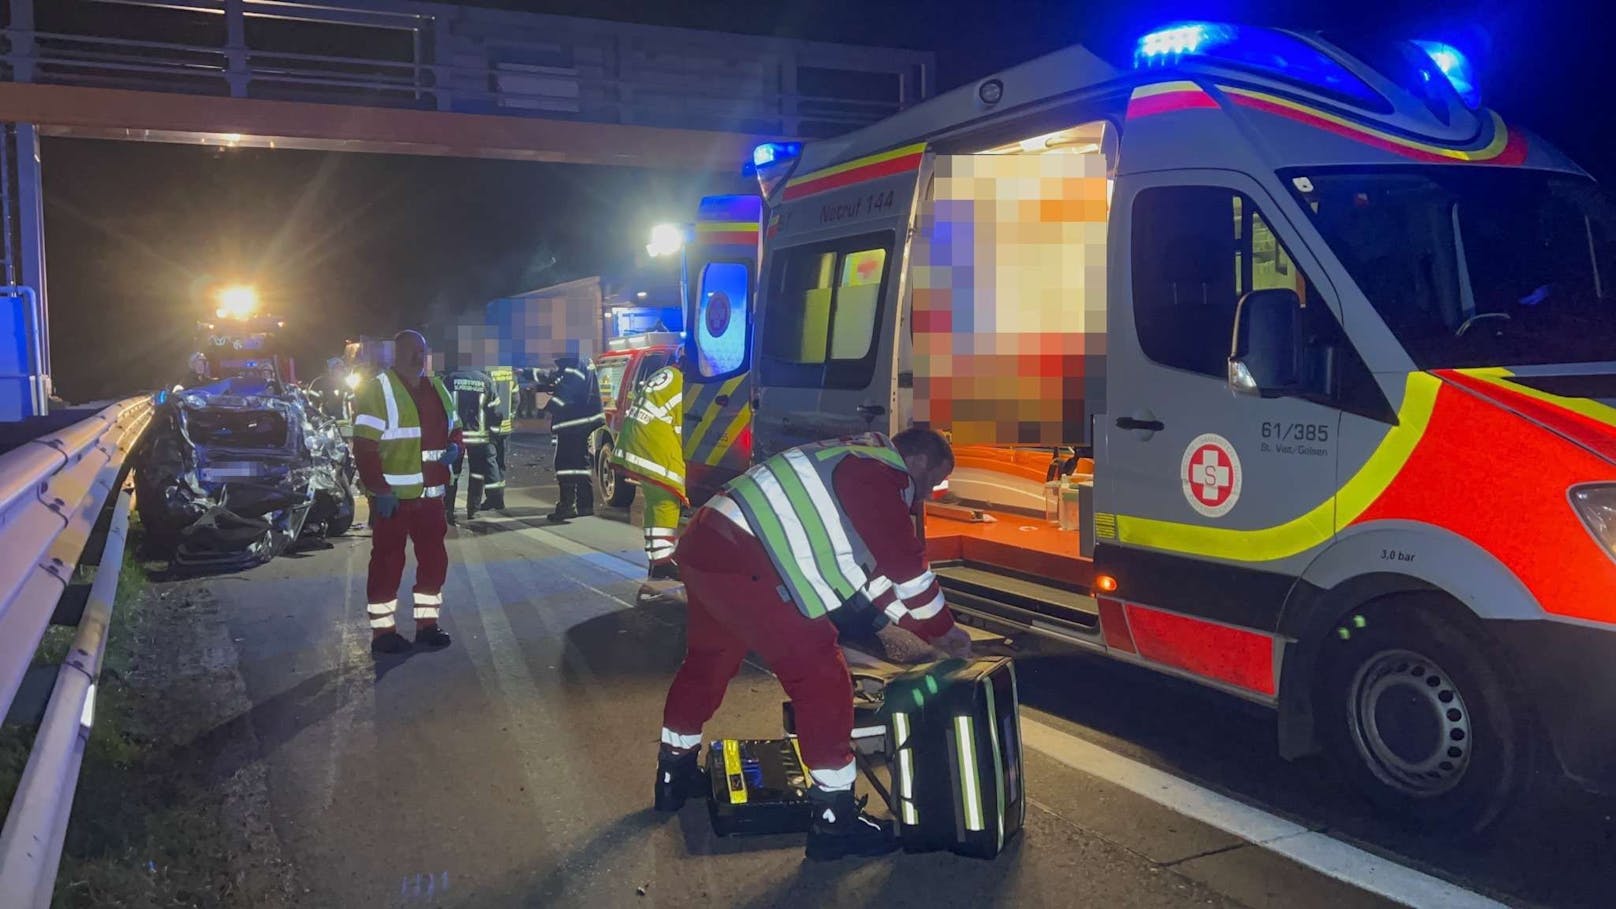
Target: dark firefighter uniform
x,y
499,432
478,407
575,413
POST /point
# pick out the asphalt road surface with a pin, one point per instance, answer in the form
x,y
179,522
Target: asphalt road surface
x,y
515,767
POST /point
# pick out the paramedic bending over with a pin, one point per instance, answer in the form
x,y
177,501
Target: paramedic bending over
x,y
748,559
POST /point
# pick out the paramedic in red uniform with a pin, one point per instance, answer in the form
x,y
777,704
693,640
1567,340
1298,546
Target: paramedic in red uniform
x,y
406,439
815,538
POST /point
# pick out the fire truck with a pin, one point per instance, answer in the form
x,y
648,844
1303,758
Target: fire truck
x,y
1311,345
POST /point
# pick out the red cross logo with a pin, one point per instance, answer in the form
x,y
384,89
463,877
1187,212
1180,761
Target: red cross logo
x,y
1210,474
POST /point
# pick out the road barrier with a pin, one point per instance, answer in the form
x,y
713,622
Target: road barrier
x,y
54,492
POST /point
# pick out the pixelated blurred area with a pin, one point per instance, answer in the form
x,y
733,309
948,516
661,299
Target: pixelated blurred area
x,y
1009,298
533,329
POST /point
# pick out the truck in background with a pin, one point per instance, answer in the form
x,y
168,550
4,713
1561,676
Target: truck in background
x,y
1298,297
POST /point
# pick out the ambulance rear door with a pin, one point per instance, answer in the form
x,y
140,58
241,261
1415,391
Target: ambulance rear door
x,y
832,291
719,280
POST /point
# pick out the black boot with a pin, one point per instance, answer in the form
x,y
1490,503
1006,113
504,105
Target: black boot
x,y
664,571
567,508
678,777
431,637
390,644
841,828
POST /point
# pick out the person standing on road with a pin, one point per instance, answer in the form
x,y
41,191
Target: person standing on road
x,y
575,413
650,450
813,541
499,432
478,410
406,439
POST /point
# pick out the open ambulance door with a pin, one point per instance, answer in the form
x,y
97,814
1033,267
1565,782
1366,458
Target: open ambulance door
x,y
720,275
831,295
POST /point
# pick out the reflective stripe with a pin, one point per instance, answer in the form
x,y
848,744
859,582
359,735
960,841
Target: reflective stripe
x,y
895,611
965,742
864,732
428,599
390,402
568,424
431,455
498,485
408,432
929,610
679,739
381,614
426,612
402,479
876,586
370,422
651,466
576,372
840,778
659,550
831,516
726,506
475,437
584,472
557,399
800,548
661,533
917,585
433,492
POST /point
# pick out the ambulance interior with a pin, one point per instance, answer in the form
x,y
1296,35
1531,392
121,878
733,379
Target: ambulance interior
x,y
1012,242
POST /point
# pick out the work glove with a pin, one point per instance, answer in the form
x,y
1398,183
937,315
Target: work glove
x,y
904,646
451,454
956,642
384,505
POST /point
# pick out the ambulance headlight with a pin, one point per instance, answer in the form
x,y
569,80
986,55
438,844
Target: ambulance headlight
x,y
1596,505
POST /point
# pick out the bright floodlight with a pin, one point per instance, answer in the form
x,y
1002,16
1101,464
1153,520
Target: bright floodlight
x,y
351,380
238,301
666,240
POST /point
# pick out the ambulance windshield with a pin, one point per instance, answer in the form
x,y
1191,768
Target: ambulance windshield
x,y
1475,266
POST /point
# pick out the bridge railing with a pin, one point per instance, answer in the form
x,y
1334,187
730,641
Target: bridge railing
x,y
471,60
54,493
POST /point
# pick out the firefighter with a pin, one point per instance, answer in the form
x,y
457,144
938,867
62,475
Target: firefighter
x,y
504,379
649,449
197,372
814,541
406,439
575,413
478,409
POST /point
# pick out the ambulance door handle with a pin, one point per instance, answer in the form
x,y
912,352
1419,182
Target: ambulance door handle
x,y
1146,424
721,400
871,411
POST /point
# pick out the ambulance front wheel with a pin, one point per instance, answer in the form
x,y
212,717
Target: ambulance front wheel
x,y
614,490
1417,708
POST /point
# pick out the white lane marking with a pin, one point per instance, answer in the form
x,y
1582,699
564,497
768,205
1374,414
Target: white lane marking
x,y
1320,852
352,727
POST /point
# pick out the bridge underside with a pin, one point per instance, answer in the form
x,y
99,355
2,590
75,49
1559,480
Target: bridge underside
x,y
105,113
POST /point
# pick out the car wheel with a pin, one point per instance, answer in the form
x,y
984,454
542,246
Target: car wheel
x,y
1417,709
342,521
614,490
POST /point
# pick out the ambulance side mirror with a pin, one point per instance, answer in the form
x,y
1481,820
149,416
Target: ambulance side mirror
x,y
1265,361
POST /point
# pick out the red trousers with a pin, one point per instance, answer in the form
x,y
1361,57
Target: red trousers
x,y
421,520
735,605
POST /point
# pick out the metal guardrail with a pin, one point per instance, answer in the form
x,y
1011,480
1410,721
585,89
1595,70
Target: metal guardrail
x,y
53,493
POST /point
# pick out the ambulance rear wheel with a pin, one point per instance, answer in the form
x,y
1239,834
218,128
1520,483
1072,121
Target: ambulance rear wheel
x,y
613,489
1417,709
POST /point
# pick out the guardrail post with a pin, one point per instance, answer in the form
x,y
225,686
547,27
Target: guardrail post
x,y
22,41
235,47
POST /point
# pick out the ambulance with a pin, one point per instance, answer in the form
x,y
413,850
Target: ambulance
x,y
1322,346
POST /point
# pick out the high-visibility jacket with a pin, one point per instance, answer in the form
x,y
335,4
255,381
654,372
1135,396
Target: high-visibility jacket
x,y
504,378
790,506
475,403
649,446
385,413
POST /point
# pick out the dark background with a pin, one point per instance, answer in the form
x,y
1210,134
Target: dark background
x,y
344,243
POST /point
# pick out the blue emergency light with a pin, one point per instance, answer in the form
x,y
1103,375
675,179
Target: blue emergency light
x,y
1456,67
1265,51
775,152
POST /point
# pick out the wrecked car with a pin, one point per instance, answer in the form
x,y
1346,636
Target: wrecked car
x,y
239,471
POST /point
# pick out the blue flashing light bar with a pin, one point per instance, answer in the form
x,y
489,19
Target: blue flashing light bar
x,y
1261,50
1168,45
1456,67
769,154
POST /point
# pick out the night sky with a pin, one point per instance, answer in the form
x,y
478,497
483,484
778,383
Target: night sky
x,y
344,243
